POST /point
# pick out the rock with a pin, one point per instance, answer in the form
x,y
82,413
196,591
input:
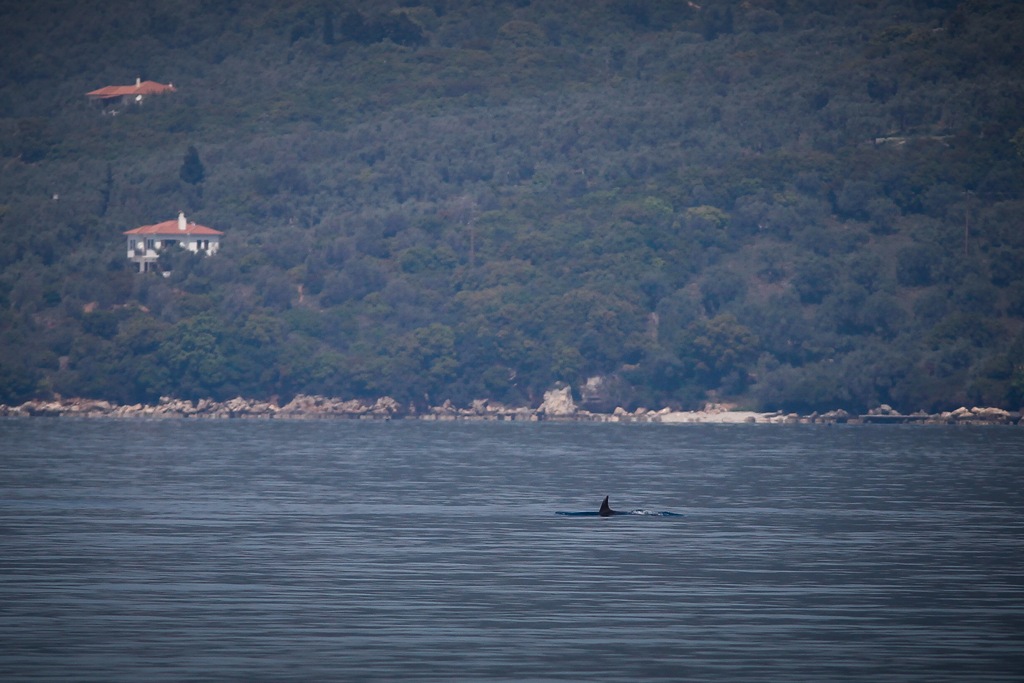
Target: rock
x,y
305,406
558,403
446,408
594,393
85,407
601,393
41,408
519,414
997,415
386,407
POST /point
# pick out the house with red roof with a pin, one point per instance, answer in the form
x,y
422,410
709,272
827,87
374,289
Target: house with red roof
x,y
146,242
126,94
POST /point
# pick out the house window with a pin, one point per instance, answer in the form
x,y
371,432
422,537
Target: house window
x,y
131,245
150,244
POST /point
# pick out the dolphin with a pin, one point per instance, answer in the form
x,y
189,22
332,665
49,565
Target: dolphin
x,y
606,510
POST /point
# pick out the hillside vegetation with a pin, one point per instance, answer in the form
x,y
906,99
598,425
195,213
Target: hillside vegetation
x,y
788,204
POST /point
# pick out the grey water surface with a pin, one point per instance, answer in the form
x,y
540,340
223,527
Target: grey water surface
x,y
352,551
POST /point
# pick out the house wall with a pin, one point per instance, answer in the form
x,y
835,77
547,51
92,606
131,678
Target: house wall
x,y
144,250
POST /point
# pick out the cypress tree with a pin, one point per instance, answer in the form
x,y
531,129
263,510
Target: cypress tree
x,y
328,27
192,171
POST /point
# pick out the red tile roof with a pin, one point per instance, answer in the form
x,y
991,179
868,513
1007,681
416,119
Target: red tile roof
x,y
143,88
170,228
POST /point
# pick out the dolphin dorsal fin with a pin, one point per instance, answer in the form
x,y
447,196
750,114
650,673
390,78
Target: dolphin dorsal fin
x,y
605,508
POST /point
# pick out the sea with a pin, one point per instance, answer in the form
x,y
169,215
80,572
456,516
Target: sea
x,y
231,550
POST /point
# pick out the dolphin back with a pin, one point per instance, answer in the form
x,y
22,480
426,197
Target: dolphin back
x,y
606,510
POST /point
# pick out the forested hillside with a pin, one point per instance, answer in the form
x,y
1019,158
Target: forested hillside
x,y
790,204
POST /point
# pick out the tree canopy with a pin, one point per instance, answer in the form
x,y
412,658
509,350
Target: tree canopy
x,y
791,204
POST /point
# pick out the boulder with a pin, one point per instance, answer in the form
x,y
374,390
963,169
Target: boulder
x,y
997,415
558,403
385,406
601,393
446,408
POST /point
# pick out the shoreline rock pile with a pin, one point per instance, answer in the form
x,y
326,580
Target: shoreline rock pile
x,y
558,405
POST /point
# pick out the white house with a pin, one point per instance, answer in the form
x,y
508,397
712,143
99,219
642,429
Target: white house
x,y
146,242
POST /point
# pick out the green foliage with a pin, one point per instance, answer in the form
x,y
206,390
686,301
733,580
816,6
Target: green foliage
x,y
192,170
100,323
915,265
722,350
798,205
18,382
1018,143
194,355
397,27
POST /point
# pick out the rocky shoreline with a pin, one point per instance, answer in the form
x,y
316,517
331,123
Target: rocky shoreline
x,y
558,405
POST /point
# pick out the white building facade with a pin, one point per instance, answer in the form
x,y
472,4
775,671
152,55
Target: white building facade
x,y
145,243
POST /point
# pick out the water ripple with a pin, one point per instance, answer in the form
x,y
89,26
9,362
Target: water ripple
x,y
337,551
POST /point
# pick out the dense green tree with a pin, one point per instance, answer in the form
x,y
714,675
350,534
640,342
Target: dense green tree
x,y
915,265
722,350
18,382
192,170
196,357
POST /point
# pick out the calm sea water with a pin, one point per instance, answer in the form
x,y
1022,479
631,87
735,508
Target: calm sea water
x,y
353,551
